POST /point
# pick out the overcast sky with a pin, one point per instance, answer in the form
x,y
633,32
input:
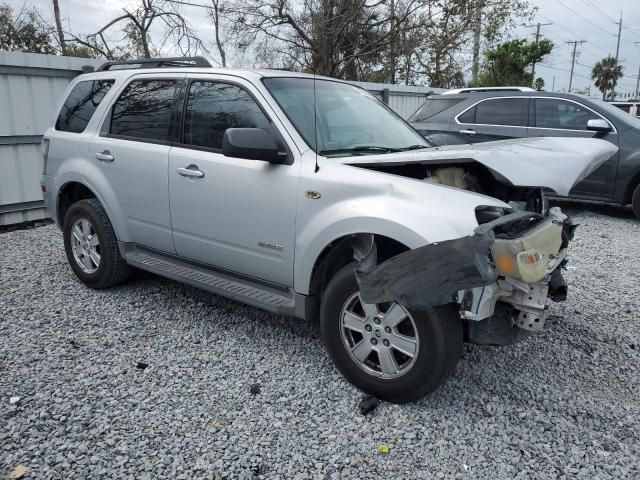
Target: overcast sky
x,y
590,20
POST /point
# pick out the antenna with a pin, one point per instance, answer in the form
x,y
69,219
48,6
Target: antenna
x,y
315,121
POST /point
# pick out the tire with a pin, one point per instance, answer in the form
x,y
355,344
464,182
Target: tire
x,y
111,268
635,201
439,333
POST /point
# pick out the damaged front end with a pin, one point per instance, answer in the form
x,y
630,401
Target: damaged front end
x,y
502,276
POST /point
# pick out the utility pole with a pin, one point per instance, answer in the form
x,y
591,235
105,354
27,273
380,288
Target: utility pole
x,y
553,85
613,90
573,59
475,67
533,65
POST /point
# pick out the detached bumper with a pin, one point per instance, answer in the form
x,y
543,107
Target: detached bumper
x,y
507,269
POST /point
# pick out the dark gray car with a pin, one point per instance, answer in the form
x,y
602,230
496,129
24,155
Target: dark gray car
x,y
451,119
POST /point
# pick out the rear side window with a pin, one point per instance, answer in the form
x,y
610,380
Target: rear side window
x,y
503,111
512,112
212,107
624,108
432,107
81,104
144,110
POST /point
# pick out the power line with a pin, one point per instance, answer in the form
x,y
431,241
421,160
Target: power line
x,y
584,18
589,3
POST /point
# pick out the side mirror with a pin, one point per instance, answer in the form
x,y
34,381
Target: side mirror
x,y
251,144
598,125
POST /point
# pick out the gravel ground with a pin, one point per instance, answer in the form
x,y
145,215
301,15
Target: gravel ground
x,y
563,404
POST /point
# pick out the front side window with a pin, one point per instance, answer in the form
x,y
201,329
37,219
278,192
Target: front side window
x,y
144,110
336,118
552,113
212,107
503,111
81,104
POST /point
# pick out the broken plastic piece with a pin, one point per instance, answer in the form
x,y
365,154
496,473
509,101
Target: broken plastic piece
x,y
429,275
141,365
369,404
382,448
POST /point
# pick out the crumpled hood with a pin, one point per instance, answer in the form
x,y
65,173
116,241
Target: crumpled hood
x,y
557,163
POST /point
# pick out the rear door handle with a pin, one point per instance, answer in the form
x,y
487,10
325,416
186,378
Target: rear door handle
x,y
190,171
468,132
105,156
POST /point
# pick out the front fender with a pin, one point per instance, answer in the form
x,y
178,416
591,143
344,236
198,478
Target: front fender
x,y
373,215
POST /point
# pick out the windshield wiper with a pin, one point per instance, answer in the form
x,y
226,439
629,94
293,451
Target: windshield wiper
x,y
361,148
414,147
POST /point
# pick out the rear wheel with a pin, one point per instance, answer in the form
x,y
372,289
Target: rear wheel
x,y
635,201
91,245
387,350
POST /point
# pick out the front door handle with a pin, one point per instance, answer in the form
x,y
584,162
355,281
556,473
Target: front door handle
x,y
190,171
105,156
468,132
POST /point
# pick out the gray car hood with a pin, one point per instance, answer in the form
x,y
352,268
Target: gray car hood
x,y
557,163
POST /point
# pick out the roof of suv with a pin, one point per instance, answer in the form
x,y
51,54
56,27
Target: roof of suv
x,y
509,93
236,72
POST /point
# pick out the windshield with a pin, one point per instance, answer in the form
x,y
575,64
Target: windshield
x,y
350,121
620,115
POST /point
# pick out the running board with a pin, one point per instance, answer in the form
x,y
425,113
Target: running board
x,y
221,283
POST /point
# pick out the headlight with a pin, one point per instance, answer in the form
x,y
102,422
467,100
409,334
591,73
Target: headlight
x,y
531,256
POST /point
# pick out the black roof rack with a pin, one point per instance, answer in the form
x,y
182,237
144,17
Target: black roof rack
x,y
155,63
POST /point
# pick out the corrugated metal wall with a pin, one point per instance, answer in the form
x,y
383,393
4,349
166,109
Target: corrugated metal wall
x,y
403,99
31,86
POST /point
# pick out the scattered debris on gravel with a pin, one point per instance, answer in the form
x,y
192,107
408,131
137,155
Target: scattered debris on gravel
x,y
563,404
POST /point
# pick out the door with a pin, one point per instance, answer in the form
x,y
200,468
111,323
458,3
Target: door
x,y
556,117
132,152
492,119
231,213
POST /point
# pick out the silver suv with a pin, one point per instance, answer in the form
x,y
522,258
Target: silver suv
x,y
308,197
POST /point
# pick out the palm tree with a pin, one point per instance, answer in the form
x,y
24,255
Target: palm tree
x,y
606,74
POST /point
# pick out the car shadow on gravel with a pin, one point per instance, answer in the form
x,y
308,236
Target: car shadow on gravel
x,y
575,206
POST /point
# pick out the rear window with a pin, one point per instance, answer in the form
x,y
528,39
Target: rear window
x,y
432,107
81,104
144,110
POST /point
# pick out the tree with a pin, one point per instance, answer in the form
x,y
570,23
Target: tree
x,y
507,64
23,31
538,84
217,12
606,74
340,38
136,23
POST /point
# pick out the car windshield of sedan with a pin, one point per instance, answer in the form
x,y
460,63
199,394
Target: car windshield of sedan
x,y
350,121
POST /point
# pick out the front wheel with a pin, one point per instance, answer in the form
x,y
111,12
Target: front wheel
x,y
386,350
